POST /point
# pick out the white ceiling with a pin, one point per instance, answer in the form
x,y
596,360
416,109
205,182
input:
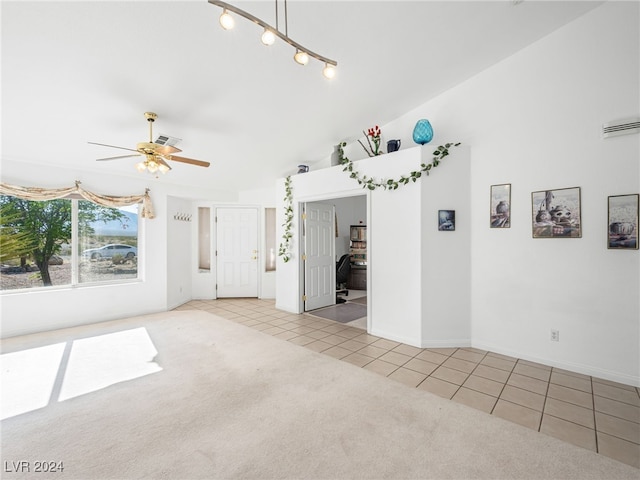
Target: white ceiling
x,y
74,72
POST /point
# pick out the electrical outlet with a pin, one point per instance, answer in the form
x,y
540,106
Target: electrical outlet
x,y
555,335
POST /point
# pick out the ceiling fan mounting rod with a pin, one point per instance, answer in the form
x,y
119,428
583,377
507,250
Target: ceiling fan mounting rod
x,y
151,117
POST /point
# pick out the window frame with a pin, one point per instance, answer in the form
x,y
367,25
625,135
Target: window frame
x,y
76,257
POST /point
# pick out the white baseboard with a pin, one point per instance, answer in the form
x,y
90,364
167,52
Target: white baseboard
x,y
570,366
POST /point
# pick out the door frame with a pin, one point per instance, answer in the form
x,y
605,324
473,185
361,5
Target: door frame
x,y
259,244
304,243
204,283
300,201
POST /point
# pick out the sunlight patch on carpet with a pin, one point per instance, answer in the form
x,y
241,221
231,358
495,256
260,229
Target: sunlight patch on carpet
x,y
97,362
28,378
34,377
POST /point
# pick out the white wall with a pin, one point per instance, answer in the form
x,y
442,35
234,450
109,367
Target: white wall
x,y
51,308
446,256
534,121
394,250
405,303
179,251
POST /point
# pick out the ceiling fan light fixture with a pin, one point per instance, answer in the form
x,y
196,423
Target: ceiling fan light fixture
x,y
163,168
301,57
268,38
141,167
226,20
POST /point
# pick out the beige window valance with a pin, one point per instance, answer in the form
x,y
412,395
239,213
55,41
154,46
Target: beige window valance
x,y
36,193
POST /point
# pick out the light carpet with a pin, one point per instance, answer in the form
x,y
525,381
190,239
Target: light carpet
x,y
231,402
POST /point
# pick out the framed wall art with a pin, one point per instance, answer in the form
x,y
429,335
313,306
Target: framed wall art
x,y
623,222
500,214
446,220
556,213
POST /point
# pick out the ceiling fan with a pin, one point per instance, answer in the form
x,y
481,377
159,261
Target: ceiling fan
x,y
155,154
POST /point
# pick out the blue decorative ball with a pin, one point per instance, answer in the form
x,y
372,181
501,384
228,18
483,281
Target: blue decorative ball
x,y
423,132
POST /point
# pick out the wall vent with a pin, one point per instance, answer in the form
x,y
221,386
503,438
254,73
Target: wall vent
x,y
167,140
621,127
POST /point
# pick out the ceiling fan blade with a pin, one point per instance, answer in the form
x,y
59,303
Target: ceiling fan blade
x,y
113,146
115,158
191,161
165,149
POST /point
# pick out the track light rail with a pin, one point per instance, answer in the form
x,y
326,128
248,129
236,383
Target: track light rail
x,y
274,30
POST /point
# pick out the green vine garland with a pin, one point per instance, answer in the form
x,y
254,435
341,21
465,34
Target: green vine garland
x,y
285,247
371,183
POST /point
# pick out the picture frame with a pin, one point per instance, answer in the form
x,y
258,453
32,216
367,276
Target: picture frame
x,y
556,213
446,220
622,221
500,206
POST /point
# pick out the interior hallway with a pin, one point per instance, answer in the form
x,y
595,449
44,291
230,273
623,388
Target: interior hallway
x,y
595,414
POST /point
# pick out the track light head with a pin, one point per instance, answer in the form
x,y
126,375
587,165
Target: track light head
x,y
226,20
329,71
268,37
301,57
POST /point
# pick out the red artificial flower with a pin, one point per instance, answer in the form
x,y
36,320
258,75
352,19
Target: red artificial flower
x,y
374,132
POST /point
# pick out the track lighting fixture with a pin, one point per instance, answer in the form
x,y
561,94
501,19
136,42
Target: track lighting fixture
x,y
270,33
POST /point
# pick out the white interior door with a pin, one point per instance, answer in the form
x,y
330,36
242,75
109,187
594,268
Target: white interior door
x,y
319,251
237,252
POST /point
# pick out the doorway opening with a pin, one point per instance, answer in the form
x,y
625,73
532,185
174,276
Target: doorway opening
x,y
335,263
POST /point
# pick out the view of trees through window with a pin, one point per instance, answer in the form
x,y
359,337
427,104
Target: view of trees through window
x,y
37,239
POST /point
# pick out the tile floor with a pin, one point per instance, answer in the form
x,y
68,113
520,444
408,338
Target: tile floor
x,y
592,413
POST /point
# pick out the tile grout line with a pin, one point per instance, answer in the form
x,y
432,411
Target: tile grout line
x,y
595,423
504,386
544,403
439,365
469,375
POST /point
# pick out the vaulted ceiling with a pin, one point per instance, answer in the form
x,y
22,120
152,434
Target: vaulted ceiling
x,y
78,72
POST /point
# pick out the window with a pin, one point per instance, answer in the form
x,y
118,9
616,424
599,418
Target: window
x,y
204,240
270,239
38,238
107,242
